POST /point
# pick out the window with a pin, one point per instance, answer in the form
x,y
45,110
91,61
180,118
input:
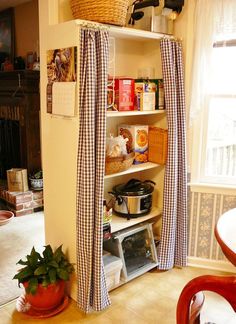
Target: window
x,y
212,113
218,156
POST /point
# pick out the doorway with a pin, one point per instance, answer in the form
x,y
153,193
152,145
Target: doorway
x,y
20,133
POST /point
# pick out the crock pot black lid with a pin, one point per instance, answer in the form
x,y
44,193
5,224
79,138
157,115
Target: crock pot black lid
x,y
133,187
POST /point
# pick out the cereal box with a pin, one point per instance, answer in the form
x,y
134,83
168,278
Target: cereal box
x,y
145,95
124,94
149,86
137,141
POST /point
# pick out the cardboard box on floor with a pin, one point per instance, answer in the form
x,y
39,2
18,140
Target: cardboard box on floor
x,y
17,180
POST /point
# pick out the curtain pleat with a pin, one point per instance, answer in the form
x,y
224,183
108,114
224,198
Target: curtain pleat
x,y
173,245
94,51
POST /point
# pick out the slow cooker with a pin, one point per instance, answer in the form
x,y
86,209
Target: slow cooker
x,y
134,198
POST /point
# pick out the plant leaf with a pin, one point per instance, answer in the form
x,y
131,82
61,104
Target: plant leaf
x,y
32,287
58,254
53,275
70,268
46,281
48,253
63,274
23,274
33,258
40,270
53,264
22,262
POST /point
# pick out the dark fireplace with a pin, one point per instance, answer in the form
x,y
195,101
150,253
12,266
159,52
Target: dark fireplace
x,y
19,121
10,156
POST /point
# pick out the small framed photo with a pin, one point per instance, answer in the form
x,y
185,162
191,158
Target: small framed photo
x,y
30,60
7,36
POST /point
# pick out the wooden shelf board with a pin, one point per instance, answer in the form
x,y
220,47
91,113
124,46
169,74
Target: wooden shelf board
x,y
133,169
118,223
134,113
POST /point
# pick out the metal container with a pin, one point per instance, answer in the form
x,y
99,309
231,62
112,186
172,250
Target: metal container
x,y
134,198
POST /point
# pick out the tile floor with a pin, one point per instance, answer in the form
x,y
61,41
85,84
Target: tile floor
x,y
149,299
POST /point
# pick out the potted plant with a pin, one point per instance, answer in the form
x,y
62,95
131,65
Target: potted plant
x,y
36,180
43,277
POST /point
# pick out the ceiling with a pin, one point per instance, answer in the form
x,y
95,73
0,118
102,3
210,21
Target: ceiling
x,y
4,4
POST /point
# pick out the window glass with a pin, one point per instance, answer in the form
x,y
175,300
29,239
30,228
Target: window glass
x,y
224,71
219,160
221,138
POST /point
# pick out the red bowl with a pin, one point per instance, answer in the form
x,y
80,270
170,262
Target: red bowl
x,y
5,216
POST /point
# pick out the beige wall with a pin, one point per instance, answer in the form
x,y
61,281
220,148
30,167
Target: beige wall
x,y
26,28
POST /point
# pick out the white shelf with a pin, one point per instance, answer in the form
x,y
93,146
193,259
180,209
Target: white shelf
x,y
125,32
133,169
132,33
134,113
119,223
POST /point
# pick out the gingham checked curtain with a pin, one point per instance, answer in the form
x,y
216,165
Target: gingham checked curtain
x,y
92,291
173,245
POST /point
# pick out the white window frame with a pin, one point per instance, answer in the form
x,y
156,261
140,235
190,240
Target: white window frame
x,y
198,138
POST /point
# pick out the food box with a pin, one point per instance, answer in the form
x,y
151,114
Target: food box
x,y
157,145
17,180
124,94
160,102
137,141
112,267
145,98
152,85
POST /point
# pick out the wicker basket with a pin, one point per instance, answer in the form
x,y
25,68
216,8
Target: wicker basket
x,y
118,164
104,11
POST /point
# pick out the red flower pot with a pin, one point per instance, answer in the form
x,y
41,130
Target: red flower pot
x,y
46,297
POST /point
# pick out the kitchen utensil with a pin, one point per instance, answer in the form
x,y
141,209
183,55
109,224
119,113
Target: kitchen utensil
x,y
134,198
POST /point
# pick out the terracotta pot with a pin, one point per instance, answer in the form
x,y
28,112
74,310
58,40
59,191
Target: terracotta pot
x,y
46,297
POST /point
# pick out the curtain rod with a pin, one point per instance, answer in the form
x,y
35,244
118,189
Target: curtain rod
x,y
173,38
92,25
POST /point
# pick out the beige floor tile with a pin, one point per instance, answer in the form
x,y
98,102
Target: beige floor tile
x,y
123,315
149,299
5,317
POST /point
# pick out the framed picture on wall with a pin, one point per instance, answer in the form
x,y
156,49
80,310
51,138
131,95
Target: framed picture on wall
x,y
30,58
7,39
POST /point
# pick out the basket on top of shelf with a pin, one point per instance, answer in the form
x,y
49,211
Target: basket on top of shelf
x,y
103,11
119,163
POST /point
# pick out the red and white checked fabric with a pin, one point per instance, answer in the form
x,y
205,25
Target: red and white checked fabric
x,y
94,54
173,245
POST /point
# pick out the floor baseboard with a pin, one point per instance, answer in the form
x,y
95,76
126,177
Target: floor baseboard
x,y
211,264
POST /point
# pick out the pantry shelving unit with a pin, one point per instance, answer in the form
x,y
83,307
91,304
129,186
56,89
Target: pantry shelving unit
x,y
59,136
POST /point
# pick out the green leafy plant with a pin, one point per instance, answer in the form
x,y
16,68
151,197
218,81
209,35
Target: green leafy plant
x,y
45,269
37,175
